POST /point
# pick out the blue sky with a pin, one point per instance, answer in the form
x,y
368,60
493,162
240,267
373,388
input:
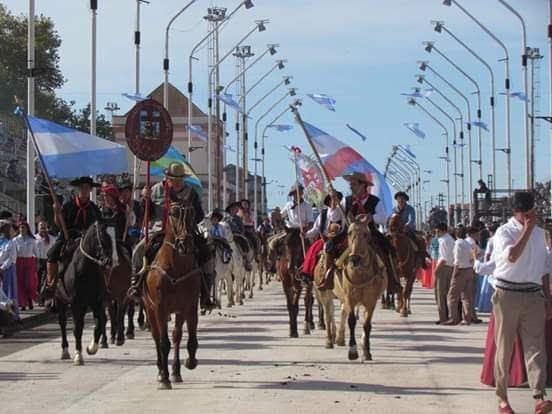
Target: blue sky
x,y
361,52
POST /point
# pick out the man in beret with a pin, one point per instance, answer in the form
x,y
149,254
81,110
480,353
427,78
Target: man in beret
x,y
521,302
78,214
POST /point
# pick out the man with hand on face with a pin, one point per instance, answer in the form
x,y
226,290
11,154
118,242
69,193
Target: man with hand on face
x,y
521,301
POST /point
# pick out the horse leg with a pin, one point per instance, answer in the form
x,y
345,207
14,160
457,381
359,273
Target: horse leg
x,y
130,315
141,318
156,338
99,328
330,321
340,339
384,300
309,300
321,317
351,320
191,324
121,310
176,339
229,291
162,318
78,325
62,320
112,308
367,355
408,292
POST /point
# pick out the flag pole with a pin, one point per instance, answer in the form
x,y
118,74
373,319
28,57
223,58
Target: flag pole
x,y
298,195
299,120
20,111
148,202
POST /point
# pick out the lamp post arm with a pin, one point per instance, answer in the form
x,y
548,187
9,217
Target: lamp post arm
x,y
261,79
266,96
176,16
459,69
245,70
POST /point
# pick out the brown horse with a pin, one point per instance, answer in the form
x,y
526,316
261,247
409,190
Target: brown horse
x,y
172,285
287,267
359,281
408,261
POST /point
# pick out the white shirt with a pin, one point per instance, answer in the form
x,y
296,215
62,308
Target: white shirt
x,y
8,253
490,247
531,266
42,246
334,215
463,254
26,246
474,245
446,249
484,268
379,217
301,214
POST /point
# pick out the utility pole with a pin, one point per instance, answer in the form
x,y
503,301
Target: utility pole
x,y
31,111
533,54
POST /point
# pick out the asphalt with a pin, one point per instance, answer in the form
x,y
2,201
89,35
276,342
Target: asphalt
x,y
248,364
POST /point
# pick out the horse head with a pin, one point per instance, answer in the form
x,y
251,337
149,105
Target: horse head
x,y
359,239
180,228
97,246
395,224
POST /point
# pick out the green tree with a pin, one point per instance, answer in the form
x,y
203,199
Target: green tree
x,y
81,120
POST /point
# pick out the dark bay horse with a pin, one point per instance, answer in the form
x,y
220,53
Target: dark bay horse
x,y
408,261
83,287
172,285
288,269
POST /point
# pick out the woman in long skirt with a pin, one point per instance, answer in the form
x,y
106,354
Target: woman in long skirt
x,y
27,276
8,258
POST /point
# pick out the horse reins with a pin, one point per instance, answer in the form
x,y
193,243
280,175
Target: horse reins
x,y
101,263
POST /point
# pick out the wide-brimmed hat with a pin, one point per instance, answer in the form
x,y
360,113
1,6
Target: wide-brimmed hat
x,y
77,182
175,170
295,188
110,190
217,213
359,177
402,194
328,198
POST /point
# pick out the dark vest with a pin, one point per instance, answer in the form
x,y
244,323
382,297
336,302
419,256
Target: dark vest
x,y
370,205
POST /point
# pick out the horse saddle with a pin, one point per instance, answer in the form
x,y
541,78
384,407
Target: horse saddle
x,y
324,277
153,246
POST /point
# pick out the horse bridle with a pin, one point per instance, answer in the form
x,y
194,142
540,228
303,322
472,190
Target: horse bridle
x,y
180,230
103,260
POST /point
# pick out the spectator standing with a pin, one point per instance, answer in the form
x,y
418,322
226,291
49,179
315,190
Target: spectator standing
x,y
44,241
8,258
27,277
443,270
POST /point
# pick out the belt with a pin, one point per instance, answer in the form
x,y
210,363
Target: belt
x,y
523,287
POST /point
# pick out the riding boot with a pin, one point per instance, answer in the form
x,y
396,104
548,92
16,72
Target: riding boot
x,y
205,293
51,280
136,281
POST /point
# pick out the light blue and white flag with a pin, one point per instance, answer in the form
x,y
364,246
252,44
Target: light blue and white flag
x,y
324,100
71,153
363,137
281,127
415,128
199,132
229,148
519,95
418,93
134,97
229,100
459,145
481,125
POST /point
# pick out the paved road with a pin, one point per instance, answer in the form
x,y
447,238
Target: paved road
x,y
249,365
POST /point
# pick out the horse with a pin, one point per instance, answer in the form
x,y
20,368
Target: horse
x,y
287,267
172,285
265,268
83,285
407,261
360,281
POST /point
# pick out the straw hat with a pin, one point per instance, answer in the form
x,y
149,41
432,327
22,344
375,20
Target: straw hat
x,y
175,170
359,177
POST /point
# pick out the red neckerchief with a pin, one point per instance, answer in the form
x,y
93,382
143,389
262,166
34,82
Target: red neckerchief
x,y
81,213
358,203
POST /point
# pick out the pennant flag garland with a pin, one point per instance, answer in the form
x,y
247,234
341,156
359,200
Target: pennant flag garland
x,y
281,127
481,125
229,148
198,131
172,155
415,128
228,99
71,153
520,95
134,97
324,100
363,137
418,93
339,159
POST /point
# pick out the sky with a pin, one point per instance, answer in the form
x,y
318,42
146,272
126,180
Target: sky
x,y
362,53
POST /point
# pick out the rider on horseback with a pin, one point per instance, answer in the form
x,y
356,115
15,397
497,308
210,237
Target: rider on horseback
x,y
79,213
173,189
238,230
246,215
407,214
362,202
218,234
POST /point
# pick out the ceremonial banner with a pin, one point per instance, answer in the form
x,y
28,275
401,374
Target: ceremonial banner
x,y
311,177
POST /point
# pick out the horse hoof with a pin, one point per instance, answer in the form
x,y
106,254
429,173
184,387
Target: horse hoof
x,y
260,288
78,361
92,349
65,354
130,335
105,345
340,342
307,331
191,363
229,305
120,341
240,303
203,312
367,357
164,385
383,306
321,326
142,326
329,345
293,334
112,341
353,355
176,378
404,314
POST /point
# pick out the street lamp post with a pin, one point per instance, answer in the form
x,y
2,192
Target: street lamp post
x,y
423,67
429,46
93,13
413,164
439,27
30,196
529,179
506,61
421,79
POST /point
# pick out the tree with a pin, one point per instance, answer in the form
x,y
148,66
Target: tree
x,y
81,120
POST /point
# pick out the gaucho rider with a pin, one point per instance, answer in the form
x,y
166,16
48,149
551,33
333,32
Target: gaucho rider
x,y
246,215
79,213
173,189
362,202
238,231
115,216
407,213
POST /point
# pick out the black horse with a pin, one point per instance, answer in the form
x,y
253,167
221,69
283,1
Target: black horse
x,y
83,287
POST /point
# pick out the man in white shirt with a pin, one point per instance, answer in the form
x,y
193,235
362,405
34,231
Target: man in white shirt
x,y
462,280
521,300
44,241
443,270
474,238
